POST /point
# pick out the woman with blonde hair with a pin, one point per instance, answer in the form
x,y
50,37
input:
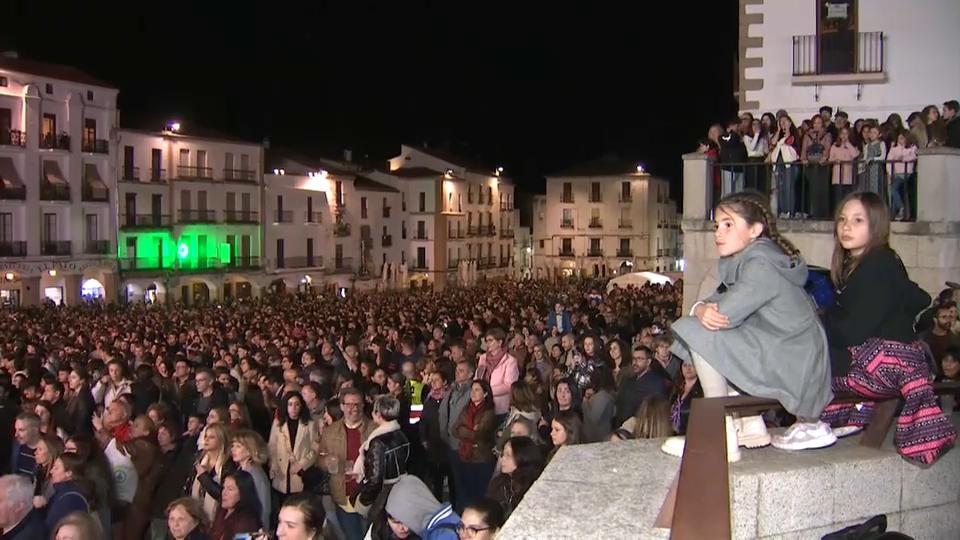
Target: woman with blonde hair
x,y
188,520
212,465
77,526
249,451
652,420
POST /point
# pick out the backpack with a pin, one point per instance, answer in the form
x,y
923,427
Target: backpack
x,y
874,528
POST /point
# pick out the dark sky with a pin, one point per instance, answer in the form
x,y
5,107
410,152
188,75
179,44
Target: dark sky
x,y
534,90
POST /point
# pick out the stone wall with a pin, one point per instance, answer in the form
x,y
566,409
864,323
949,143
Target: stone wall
x,y
930,247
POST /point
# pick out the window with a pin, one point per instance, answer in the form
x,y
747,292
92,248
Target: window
x,y
625,193
421,257
542,243
594,191
4,82
422,230
310,252
89,95
403,230
338,192
423,201
49,125
91,230
49,88
567,221
594,245
567,193
566,245
184,157
48,232
280,262
363,208
6,228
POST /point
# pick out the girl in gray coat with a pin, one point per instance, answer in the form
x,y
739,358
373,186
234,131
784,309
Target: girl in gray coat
x,y
759,333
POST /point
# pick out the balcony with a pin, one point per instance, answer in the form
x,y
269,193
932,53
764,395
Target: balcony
x,y
299,262
507,233
245,261
50,191
13,249
595,223
13,137
472,230
240,175
342,265
420,266
341,229
194,173
312,217
838,58
50,248
386,212
144,221
13,193
88,194
241,216
97,247
197,216
566,253
95,146
451,265
624,252
595,252
202,264
142,264
130,174
595,198
491,230
386,240
626,223
50,141
283,216
567,198
566,223
506,206
505,262
626,198
421,235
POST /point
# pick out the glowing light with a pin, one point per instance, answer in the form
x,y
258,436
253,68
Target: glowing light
x,y
639,168
9,276
173,127
183,251
448,174
53,273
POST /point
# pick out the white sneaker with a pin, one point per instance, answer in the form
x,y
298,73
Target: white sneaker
x,y
674,445
846,431
752,432
803,436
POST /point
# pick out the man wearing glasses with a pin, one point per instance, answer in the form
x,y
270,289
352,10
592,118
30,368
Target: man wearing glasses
x,y
339,449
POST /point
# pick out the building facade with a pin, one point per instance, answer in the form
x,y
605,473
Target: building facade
x,y
459,225
603,219
865,57
190,216
330,224
57,239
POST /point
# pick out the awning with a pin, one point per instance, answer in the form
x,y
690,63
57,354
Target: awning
x,y
51,172
9,174
91,177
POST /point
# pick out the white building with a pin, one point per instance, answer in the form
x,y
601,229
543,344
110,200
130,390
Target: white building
x,y
604,218
56,197
329,223
190,210
522,251
867,57
459,218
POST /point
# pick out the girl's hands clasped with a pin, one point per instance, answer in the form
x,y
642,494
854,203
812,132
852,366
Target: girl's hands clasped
x,y
710,317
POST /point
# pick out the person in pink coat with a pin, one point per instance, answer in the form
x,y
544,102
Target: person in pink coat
x,y
901,161
500,369
842,156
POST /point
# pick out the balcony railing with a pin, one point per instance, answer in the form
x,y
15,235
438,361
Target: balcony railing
x,y
420,266
343,265
624,252
472,230
626,223
144,221
241,216
387,240
88,194
595,198
566,223
13,193
421,235
505,262
51,141
595,223
95,146
197,216
13,249
626,197
313,217
185,172
506,207
507,233
54,192
341,229
245,261
55,248
12,137
142,264
833,55
594,252
240,175
283,216
130,174
299,262
566,198
386,212
566,252
452,264
97,247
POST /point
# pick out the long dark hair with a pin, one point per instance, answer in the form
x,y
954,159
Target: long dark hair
x,y
282,415
249,500
529,458
96,465
878,218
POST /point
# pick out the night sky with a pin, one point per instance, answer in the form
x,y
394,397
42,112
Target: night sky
x,y
535,91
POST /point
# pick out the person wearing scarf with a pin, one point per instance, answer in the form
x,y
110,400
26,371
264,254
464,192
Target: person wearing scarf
x,y
476,430
500,369
382,459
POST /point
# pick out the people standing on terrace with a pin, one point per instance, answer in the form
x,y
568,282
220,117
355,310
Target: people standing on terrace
x,y
784,154
874,349
902,160
759,334
842,155
733,157
815,153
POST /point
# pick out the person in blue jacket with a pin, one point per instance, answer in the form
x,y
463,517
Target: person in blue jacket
x,y
71,491
412,509
560,319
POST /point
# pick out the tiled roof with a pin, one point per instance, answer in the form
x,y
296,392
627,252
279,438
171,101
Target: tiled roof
x,y
51,71
450,157
415,172
362,183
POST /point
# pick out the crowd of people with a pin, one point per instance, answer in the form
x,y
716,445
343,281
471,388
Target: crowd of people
x,y
387,415
808,168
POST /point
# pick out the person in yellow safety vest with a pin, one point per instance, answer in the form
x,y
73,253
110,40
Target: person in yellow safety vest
x,y
416,389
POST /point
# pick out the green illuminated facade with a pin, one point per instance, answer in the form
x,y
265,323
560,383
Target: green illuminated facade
x,y
189,247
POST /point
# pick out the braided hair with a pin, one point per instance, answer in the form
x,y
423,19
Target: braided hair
x,y
752,206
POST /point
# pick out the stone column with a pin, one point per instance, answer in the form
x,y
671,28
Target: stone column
x,y
71,289
937,189
30,291
697,186
111,288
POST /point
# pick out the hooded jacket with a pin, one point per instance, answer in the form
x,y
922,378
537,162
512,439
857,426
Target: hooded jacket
x,y
411,503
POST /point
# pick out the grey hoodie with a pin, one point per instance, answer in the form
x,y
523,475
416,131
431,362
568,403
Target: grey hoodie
x,y
410,502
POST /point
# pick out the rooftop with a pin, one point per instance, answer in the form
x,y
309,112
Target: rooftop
x,y
362,183
609,165
415,172
11,62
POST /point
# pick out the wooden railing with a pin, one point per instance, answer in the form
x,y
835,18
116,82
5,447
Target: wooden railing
x,y
698,505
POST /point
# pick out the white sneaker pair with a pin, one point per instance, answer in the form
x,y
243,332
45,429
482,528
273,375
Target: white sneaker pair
x,y
805,436
750,432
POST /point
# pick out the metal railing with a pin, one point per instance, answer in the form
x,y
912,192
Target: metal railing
x,y
566,223
54,192
812,190
130,174
625,223
13,249
313,217
507,233
283,216
241,216
595,223
386,241
95,146
813,55
245,261
421,235
145,221
341,229
594,252
185,172
12,137
240,175
342,265
51,141
13,193
97,247
55,248
566,252
567,199
197,216
625,197
88,194
624,253
299,262
506,207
